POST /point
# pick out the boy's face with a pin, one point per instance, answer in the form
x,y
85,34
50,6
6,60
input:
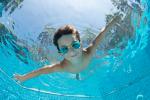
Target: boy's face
x,y
68,41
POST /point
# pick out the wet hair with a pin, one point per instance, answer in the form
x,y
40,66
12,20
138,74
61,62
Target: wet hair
x,y
65,30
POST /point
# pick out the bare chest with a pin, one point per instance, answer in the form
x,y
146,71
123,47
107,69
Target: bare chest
x,y
78,67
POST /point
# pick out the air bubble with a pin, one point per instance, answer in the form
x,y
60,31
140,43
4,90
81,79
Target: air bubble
x,y
139,97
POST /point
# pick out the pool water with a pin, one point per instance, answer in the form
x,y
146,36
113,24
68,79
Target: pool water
x,y
119,70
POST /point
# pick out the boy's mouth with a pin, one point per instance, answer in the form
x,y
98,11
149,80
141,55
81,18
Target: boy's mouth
x,y
73,55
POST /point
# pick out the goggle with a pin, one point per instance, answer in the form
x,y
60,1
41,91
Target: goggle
x,y
65,49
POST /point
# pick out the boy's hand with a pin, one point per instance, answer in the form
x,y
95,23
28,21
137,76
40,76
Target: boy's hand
x,y
18,77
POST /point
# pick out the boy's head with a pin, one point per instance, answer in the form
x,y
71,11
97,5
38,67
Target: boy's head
x,y
68,37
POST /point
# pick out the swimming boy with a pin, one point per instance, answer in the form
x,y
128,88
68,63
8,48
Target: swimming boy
x,y
76,59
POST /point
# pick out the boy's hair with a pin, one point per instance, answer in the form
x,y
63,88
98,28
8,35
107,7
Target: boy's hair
x,y
65,30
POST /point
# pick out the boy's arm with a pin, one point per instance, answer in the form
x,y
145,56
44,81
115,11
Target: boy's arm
x,y
92,47
44,70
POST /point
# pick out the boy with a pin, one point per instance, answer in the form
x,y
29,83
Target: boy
x,y
67,41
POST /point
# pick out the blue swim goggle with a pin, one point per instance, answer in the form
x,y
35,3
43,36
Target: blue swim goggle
x,y
65,49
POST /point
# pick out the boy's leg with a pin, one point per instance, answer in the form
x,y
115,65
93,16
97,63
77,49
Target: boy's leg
x,y
78,76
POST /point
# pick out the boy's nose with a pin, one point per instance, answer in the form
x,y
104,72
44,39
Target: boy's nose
x,y
70,47
71,50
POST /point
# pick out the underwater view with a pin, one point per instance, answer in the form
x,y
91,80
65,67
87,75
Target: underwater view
x,y
118,70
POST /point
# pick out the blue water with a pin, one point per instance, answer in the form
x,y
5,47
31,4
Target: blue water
x,y
26,32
